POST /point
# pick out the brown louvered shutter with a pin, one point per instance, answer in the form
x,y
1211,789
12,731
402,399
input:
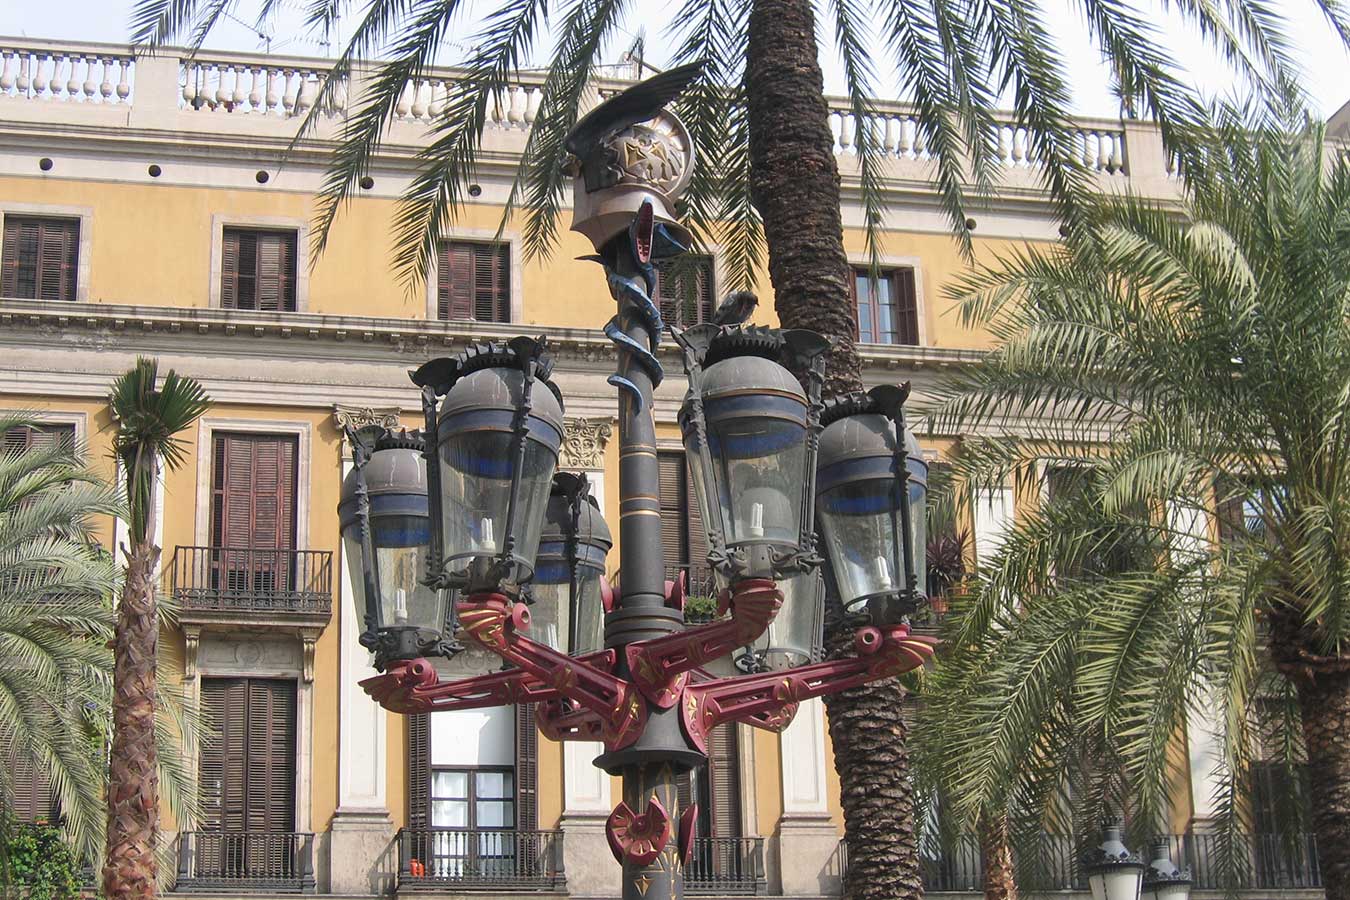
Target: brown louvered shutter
x,y
674,534
258,269
270,783
40,259
724,781
473,281
253,512
906,307
685,290
492,282
419,770
222,762
527,769
31,795
22,437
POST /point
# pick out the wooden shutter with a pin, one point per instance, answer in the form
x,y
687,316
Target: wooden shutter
x,y
685,290
473,281
724,781
31,795
270,782
905,296
23,437
674,534
223,762
254,491
258,269
527,769
40,259
419,771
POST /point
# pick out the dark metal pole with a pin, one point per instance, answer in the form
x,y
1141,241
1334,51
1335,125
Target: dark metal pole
x,y
650,766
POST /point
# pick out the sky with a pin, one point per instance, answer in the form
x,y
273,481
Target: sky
x,y
1324,61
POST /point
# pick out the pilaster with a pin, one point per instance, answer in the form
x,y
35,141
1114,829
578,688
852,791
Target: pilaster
x,y
808,839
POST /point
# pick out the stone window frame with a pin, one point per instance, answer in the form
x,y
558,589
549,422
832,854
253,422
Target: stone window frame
x,y
301,227
84,215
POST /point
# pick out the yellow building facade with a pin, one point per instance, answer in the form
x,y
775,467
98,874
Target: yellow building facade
x,y
150,209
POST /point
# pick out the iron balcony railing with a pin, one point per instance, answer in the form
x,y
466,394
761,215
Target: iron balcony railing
x,y
485,859
246,861
250,580
721,867
1259,862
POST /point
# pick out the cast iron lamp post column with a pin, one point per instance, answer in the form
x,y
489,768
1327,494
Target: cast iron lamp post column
x,y
484,515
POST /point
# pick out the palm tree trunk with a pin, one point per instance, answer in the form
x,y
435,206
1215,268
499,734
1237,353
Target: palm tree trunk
x,y
129,868
1324,697
794,181
997,859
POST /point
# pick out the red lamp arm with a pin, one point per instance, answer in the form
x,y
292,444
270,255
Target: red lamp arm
x,y
413,687
660,665
492,621
768,700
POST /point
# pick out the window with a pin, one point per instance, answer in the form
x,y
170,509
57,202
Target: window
x,y
684,541
22,437
258,269
40,258
477,810
888,308
685,290
247,772
473,281
716,788
32,798
252,513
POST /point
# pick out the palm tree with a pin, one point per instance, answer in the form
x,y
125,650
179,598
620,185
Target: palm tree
x,y
56,618
769,175
1211,350
148,422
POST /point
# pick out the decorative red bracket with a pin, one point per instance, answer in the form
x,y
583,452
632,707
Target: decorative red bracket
x,y
635,838
492,621
560,720
660,666
413,686
764,699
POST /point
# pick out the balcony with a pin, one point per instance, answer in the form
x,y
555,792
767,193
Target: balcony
x,y
231,585
1266,862
246,862
726,867
440,859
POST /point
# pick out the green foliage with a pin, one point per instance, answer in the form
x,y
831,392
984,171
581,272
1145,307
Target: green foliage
x,y
700,609
55,621
38,863
1173,358
954,60
148,422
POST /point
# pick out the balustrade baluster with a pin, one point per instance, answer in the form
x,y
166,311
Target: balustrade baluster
x,y
420,99
305,99
90,85
272,98
405,101
123,80
40,76
292,90
7,74
25,80
105,87
74,84
222,92
535,97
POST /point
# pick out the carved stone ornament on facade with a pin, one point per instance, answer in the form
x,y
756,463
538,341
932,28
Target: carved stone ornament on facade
x,y
357,417
584,443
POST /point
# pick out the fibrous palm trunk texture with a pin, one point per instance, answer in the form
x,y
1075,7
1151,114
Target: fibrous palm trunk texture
x,y
997,859
794,181
129,869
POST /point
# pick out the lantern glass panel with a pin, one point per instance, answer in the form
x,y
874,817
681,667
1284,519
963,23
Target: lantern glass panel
x,y
401,549
351,549
476,470
761,464
794,635
1116,882
1175,891
570,627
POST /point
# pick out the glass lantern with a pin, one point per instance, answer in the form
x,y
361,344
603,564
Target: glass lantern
x,y
498,433
749,473
1114,873
794,636
871,517
385,521
1163,880
568,612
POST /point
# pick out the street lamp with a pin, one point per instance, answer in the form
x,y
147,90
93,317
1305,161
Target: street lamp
x,y
863,510
385,525
1163,880
524,551
569,579
1114,873
497,434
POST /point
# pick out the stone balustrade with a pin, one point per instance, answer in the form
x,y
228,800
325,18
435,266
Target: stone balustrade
x,y
213,94
895,134
37,71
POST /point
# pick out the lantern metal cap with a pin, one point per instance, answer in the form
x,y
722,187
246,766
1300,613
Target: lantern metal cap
x,y
591,527
1111,852
1161,871
441,374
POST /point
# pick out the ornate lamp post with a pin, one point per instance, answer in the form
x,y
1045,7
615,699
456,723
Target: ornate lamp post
x,y
1163,880
524,549
1114,872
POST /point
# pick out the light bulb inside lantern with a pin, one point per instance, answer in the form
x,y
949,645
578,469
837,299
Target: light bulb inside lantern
x,y
486,541
883,571
401,607
757,520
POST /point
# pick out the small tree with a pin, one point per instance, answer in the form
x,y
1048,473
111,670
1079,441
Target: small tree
x,y
148,422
